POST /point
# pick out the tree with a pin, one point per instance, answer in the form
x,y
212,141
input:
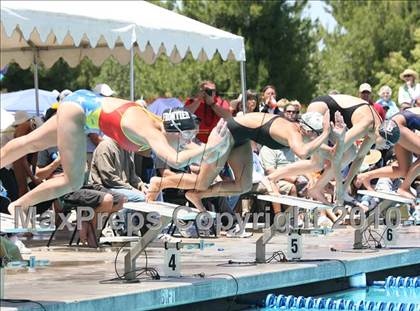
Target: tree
x,y
368,33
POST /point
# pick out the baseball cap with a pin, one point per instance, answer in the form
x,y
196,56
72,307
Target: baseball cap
x,y
103,89
365,87
390,131
178,120
312,121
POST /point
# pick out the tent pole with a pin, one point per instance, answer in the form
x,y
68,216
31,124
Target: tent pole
x,y
243,86
36,81
132,73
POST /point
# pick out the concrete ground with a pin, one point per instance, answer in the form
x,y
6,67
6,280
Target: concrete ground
x,y
72,281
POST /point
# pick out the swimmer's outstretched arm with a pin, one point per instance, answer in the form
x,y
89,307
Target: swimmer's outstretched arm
x,y
302,150
167,153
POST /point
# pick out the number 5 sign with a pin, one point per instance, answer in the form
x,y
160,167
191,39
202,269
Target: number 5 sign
x,y
172,262
294,246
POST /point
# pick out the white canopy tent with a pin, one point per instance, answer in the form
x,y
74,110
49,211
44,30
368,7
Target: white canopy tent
x,y
44,31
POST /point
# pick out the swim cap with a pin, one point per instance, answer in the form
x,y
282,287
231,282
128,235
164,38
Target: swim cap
x,y
178,120
312,121
390,131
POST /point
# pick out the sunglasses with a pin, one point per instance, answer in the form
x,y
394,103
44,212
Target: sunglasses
x,y
291,111
33,123
407,76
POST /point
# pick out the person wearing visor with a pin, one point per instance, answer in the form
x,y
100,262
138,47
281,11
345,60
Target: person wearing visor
x,y
132,126
408,145
269,130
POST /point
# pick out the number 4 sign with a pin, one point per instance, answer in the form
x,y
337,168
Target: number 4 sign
x,y
390,237
172,262
294,246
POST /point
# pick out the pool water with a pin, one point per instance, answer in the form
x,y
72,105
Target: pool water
x,y
373,293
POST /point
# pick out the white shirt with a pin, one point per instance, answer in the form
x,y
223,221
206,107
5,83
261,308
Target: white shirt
x,y
408,94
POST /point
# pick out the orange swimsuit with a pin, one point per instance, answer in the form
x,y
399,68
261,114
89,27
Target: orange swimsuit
x,y
110,124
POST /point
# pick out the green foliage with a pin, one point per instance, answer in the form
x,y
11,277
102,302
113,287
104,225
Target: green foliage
x,y
60,76
371,44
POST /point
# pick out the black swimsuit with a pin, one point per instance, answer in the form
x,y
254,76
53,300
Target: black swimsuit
x,y
261,135
333,107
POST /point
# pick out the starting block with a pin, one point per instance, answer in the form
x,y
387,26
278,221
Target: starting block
x,y
295,244
166,212
388,200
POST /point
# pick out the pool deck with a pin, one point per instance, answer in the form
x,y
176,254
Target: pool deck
x,y
71,282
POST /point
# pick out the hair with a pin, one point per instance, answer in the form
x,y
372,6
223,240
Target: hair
x,y
283,102
251,94
296,104
289,105
203,83
385,88
49,113
269,86
333,92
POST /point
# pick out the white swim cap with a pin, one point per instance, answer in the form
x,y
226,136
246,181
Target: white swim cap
x,y
312,121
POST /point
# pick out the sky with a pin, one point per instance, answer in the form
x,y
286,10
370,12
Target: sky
x,y
316,9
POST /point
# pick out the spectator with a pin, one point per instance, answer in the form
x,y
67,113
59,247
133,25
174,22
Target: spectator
x,y
274,159
93,139
410,91
365,93
386,102
282,103
208,107
291,111
297,104
113,168
251,103
14,177
269,103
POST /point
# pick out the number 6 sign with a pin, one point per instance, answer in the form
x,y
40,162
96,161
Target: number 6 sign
x,y
390,237
294,246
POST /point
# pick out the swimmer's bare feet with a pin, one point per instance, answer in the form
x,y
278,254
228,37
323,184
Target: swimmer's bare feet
x,y
316,194
195,199
154,189
406,194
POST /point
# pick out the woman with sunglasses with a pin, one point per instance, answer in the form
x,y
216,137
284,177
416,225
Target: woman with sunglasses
x,y
363,122
132,126
408,121
269,130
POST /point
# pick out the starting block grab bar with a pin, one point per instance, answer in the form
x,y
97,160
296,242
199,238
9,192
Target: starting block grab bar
x,y
166,212
295,242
